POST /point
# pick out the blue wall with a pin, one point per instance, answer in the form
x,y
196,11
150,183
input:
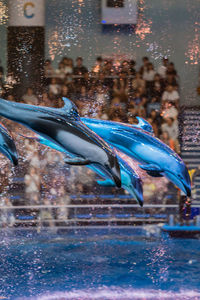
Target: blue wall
x,y
172,27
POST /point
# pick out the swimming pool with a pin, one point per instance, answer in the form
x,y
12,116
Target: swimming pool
x,y
110,263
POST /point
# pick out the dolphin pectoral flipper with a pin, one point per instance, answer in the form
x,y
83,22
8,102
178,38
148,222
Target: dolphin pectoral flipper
x,y
76,161
152,170
154,174
106,182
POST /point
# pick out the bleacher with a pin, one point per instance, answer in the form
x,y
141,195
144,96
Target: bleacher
x,y
190,146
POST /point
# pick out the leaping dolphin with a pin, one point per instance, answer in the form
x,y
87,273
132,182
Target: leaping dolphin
x,y
7,145
64,128
130,180
156,158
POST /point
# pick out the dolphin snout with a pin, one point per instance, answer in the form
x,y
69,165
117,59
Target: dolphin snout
x,y
188,191
187,188
185,179
181,180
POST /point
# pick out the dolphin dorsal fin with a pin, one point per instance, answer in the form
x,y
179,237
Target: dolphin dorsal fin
x,y
70,109
144,125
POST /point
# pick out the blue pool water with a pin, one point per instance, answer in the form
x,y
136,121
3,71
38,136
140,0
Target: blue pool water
x,y
98,264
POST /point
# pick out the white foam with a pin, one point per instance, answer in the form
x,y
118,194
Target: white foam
x,y
116,293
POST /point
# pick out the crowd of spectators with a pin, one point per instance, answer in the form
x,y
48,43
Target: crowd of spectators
x,y
111,90
119,92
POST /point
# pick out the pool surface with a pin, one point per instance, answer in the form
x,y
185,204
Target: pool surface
x,y
98,264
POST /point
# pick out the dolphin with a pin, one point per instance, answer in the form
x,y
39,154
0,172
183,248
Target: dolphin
x,y
64,128
130,180
155,157
7,145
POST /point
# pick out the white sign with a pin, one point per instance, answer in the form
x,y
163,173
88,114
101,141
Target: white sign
x,y
119,12
26,12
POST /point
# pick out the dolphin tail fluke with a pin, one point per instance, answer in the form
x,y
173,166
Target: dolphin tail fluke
x,y
15,160
137,190
11,153
114,169
8,147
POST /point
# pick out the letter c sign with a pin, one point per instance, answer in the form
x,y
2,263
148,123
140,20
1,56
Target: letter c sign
x,y
27,13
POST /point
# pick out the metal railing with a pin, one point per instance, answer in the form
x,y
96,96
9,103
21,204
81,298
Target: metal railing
x,y
85,215
73,215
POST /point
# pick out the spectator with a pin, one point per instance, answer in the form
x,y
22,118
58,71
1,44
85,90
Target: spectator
x,y
78,72
79,69
125,67
132,110
131,118
97,68
108,68
158,87
171,80
163,68
141,111
171,127
121,85
45,100
68,66
65,91
148,76
154,126
101,96
48,69
167,140
29,97
11,98
170,95
54,87
137,99
149,73
169,111
171,70
87,81
138,82
153,105
60,72
144,67
132,67
83,95
32,182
